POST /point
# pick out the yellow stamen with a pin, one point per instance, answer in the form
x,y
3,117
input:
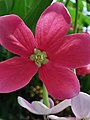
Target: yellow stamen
x,y
40,57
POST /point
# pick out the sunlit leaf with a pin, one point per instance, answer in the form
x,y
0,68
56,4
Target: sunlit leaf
x,y
83,20
88,7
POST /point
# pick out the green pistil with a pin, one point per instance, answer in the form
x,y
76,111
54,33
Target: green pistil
x,y
40,57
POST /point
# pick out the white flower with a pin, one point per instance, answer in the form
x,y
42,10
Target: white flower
x,y
80,106
37,107
53,117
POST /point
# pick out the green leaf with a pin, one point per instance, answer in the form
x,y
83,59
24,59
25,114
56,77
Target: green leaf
x,y
60,1
80,4
34,9
85,83
5,6
19,8
88,6
88,1
72,4
28,10
83,20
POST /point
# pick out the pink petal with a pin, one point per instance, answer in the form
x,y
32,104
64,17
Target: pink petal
x,y
15,36
81,105
61,82
83,70
52,26
74,51
24,103
15,73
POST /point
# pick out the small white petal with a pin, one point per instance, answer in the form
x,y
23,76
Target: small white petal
x,y
88,116
40,108
37,107
61,106
51,102
81,105
53,117
26,105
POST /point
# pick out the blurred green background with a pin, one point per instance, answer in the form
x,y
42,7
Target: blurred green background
x,y
30,11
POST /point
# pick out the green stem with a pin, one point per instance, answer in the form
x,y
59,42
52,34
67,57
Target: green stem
x,y
45,117
45,96
66,4
76,17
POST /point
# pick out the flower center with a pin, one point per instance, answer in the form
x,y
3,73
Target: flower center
x,y
40,57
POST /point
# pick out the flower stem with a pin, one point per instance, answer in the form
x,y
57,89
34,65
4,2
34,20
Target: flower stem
x,y
66,4
45,96
76,17
45,117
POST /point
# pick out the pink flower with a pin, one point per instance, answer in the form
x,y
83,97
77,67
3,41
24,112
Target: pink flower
x,y
83,70
51,52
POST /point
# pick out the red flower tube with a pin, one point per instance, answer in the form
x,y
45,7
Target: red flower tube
x,y
83,70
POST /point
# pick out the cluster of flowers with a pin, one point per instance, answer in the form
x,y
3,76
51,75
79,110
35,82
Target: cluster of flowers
x,y
80,106
51,53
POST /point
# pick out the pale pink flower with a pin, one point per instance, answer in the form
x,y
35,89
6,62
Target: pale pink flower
x,y
51,52
37,107
80,106
54,117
